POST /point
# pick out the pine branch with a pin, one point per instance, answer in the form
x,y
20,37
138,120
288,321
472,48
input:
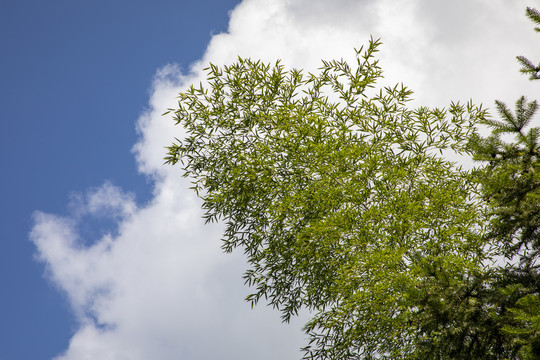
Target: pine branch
x,y
534,15
529,112
527,67
498,127
524,113
533,137
507,117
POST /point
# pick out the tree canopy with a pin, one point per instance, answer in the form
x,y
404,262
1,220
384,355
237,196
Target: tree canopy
x,y
346,204
343,201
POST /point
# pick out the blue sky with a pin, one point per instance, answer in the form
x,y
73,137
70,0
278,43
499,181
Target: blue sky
x,y
75,76
103,254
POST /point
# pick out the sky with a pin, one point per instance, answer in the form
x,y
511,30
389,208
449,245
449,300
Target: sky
x,y
103,253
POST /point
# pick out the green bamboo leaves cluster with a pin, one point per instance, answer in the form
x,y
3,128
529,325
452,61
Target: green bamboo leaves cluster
x,y
340,197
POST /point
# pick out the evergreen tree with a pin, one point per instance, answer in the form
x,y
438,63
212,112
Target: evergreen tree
x,y
511,186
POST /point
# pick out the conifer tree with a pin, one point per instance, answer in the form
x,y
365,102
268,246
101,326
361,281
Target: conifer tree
x,y
511,186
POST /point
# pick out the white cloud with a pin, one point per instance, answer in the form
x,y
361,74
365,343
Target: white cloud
x,y
159,287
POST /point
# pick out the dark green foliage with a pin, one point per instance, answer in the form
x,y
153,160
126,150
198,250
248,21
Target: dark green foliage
x,y
527,66
534,15
511,186
511,181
